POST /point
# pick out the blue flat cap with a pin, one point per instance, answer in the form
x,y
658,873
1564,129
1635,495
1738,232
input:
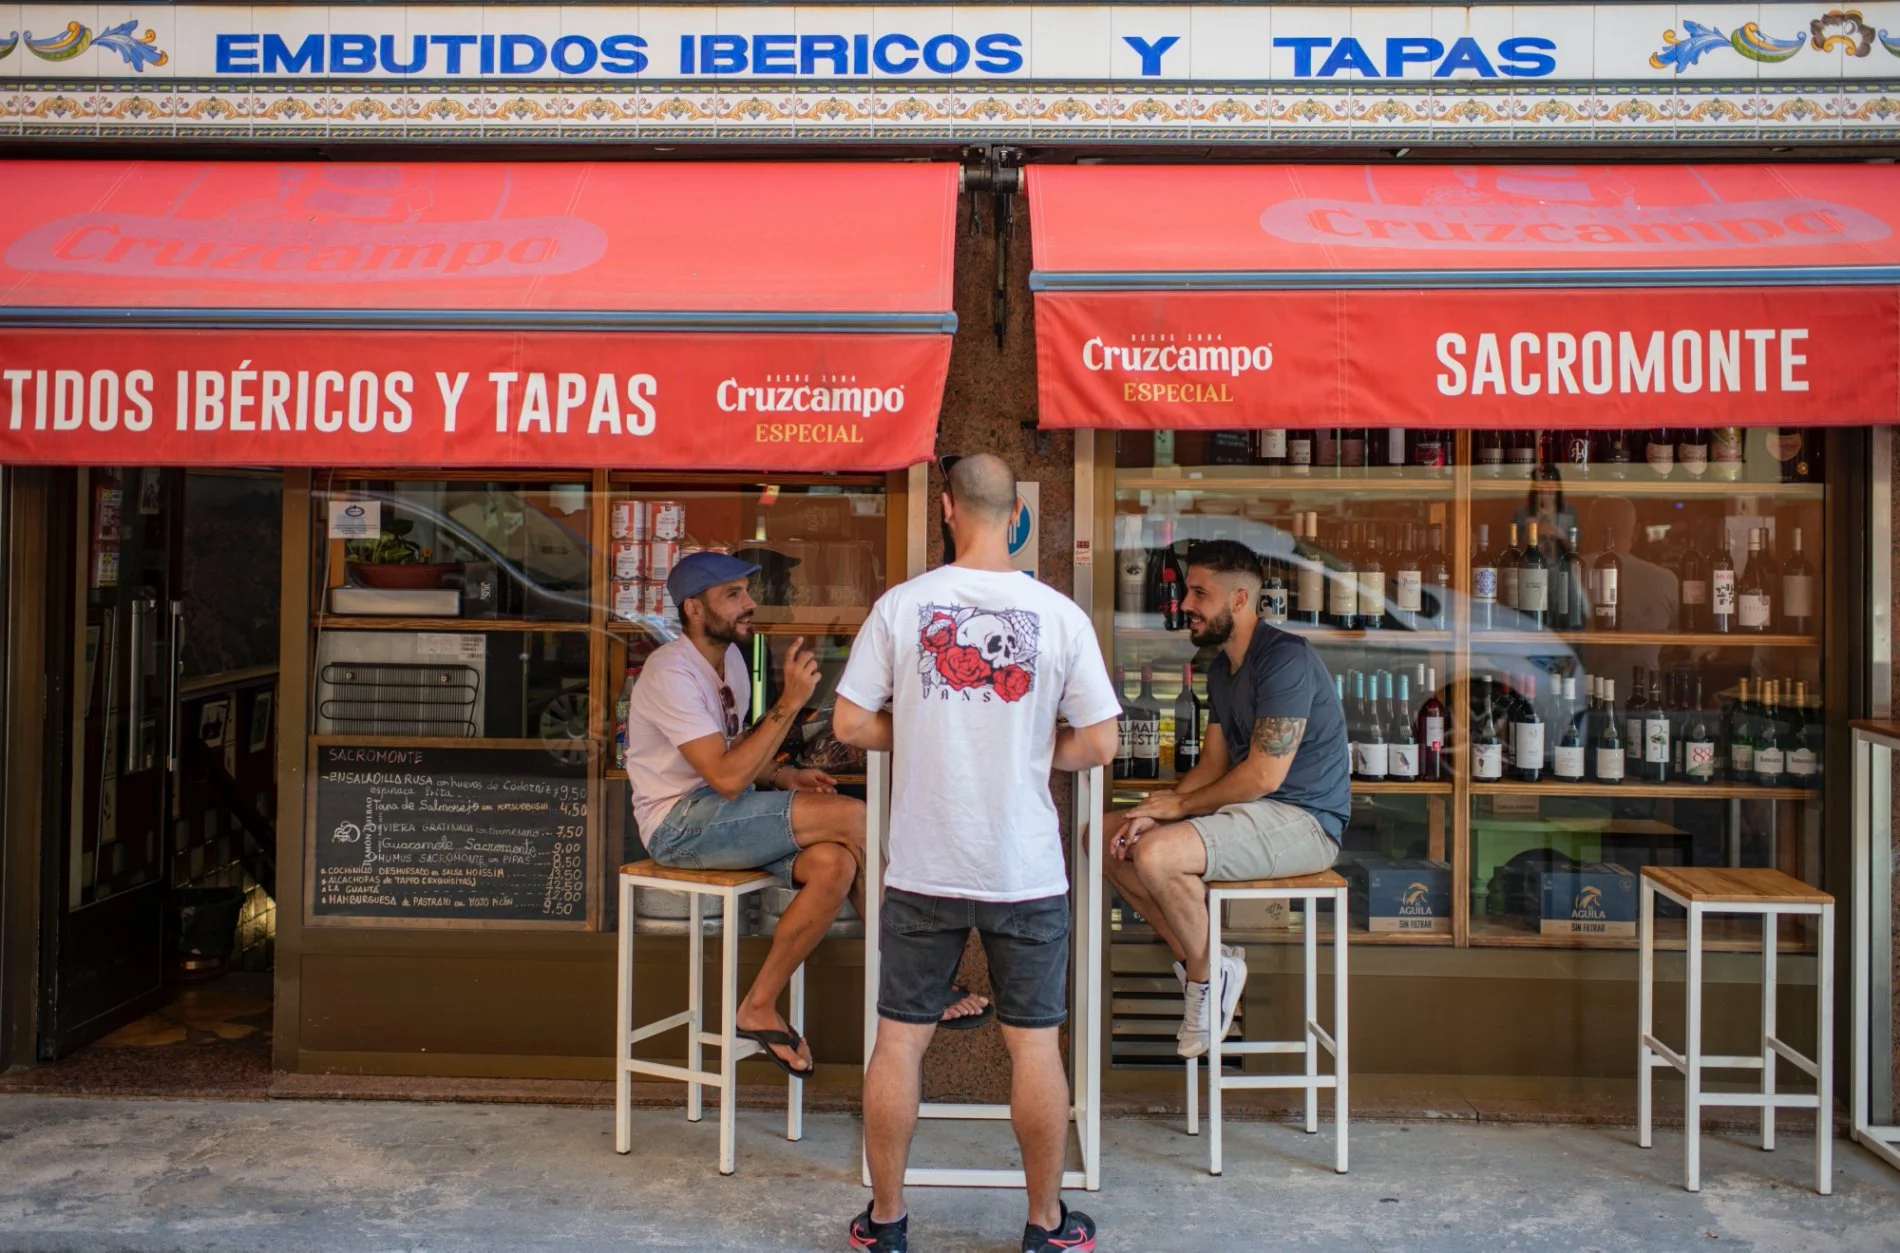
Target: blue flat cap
x,y
696,572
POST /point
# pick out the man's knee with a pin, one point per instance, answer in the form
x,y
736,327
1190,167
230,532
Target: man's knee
x,y
827,866
1175,849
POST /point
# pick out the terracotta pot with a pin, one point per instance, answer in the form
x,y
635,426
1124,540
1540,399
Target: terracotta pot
x,y
409,577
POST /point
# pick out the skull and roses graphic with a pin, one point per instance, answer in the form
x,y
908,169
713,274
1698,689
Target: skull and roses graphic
x,y
978,652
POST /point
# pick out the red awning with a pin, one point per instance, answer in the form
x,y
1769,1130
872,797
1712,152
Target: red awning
x,y
1466,296
705,316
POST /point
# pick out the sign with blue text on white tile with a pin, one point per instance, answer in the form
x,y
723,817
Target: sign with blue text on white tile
x,y
1226,44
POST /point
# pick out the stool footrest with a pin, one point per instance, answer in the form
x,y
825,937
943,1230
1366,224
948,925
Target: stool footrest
x,y
1800,1061
1760,1100
955,1110
683,1074
1243,1047
662,1026
1279,1081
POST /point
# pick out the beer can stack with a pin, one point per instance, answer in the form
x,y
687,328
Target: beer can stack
x,y
647,535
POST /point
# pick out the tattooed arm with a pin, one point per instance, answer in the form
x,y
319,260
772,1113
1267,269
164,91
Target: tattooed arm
x,y
1269,757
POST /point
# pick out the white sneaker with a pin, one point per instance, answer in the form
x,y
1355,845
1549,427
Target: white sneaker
x,y
1180,975
1191,1039
1233,981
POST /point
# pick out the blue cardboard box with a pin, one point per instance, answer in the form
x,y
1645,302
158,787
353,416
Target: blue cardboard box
x,y
1597,899
1409,895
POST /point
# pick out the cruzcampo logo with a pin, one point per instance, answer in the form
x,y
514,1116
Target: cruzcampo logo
x,y
138,50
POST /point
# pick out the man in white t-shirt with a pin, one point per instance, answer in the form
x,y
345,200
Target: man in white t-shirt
x,y
693,775
962,674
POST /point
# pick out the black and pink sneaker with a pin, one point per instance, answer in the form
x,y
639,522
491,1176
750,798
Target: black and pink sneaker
x,y
882,1237
1074,1234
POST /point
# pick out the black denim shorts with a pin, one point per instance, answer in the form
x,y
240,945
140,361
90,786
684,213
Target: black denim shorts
x,y
922,940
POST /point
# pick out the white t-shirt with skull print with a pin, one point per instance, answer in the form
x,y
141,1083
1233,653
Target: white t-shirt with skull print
x,y
976,666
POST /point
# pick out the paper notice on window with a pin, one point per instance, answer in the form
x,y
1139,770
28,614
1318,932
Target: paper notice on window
x,y
355,519
439,644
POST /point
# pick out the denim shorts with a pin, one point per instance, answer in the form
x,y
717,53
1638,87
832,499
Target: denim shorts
x,y
1264,839
705,831
921,944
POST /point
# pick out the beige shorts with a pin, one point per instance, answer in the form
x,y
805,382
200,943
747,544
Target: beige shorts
x,y
1264,839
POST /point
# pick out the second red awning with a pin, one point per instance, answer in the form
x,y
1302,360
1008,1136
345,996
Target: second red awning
x,y
707,316
1199,298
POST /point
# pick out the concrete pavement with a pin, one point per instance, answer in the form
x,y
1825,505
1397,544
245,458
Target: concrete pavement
x,y
159,1175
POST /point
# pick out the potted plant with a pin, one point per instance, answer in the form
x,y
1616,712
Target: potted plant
x,y
391,561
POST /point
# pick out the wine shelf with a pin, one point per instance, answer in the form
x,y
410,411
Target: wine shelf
x,y
460,626
1686,640
1646,485
1359,788
1320,636
1644,791
1252,479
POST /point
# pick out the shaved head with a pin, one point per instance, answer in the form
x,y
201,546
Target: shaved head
x,y
984,487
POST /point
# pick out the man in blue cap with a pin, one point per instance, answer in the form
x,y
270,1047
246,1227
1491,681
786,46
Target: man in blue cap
x,y
694,774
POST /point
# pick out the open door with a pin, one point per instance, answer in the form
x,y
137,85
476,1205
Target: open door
x,y
104,951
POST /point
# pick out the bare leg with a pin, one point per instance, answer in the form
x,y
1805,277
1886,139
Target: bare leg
x,y
1039,1110
1127,880
823,873
1170,861
893,1086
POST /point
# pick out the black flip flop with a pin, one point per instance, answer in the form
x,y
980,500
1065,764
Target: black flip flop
x,y
969,1022
765,1037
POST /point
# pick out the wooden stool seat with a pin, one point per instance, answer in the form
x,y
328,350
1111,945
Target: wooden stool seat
x,y
1324,881
1719,885
650,869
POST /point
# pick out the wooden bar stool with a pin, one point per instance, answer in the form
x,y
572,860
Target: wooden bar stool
x,y
1770,894
729,886
1312,889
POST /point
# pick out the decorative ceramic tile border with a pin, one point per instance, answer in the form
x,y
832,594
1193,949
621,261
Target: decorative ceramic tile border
x,y
1368,112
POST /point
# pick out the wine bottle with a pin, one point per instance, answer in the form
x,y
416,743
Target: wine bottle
x,y
1484,583
1326,450
1408,584
1402,751
1342,587
1692,451
1144,712
1804,750
1721,589
1610,755
1533,584
1125,731
1578,450
1528,736
1725,453
1617,455
1131,564
1435,598
1567,589
1173,588
1487,749
1370,568
1299,452
1270,449
1352,448
1187,724
1607,576
1785,445
1698,746
1797,592
1661,453
1568,761
1693,611
1520,455
1741,737
1770,761
1510,561
1489,454
1633,721
1807,462
1431,727
1309,600
1654,767
1396,445
1752,603
1356,717
1429,452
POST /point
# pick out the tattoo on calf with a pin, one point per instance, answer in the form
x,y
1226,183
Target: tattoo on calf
x,y
1278,737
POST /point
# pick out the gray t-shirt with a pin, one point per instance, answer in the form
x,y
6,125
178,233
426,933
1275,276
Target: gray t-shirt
x,y
1283,677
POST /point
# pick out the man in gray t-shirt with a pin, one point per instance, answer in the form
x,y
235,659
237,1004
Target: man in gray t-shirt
x,y
1269,800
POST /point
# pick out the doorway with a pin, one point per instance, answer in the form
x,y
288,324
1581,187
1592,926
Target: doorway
x,y
157,910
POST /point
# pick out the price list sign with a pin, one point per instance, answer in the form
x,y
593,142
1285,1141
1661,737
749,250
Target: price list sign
x,y
449,834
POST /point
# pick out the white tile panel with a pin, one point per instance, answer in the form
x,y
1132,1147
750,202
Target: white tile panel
x,y
1229,43
1070,43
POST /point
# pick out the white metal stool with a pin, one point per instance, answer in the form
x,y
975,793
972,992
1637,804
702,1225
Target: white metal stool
x,y
729,886
1312,889
1769,894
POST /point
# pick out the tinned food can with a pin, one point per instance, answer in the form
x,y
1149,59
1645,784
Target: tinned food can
x,y
626,601
630,560
669,520
628,519
662,556
652,597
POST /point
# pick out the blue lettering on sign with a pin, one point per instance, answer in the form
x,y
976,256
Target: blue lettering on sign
x,y
348,53
1522,57
1151,51
1019,528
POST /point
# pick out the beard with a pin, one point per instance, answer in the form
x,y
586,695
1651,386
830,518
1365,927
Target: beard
x,y
1211,632
728,630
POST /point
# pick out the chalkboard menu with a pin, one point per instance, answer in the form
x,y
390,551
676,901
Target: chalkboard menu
x,y
478,834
